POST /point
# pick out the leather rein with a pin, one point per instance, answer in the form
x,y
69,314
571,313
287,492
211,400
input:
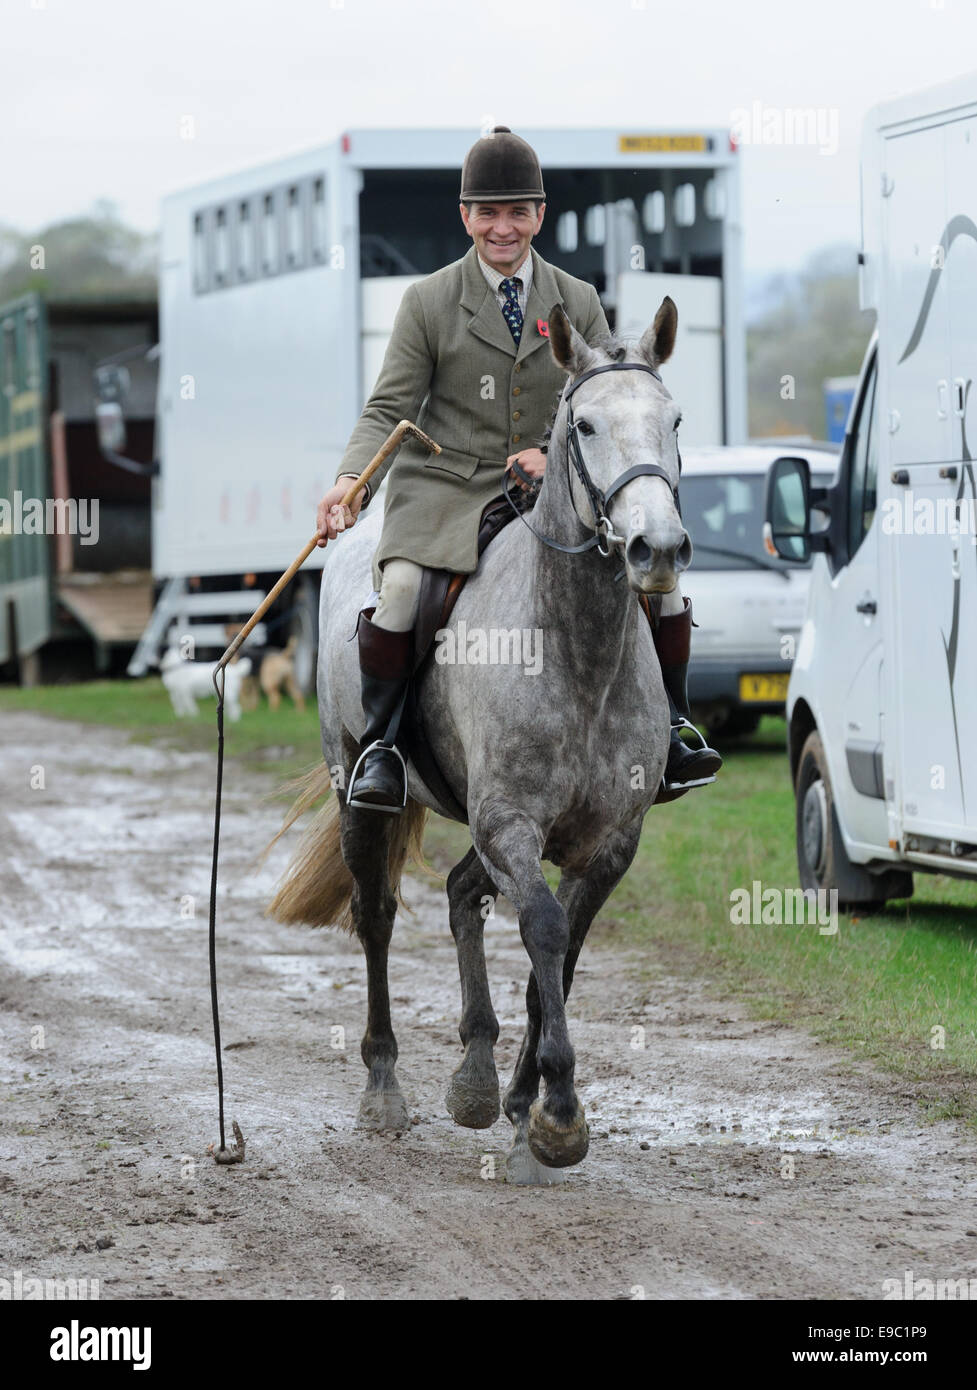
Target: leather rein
x,y
604,534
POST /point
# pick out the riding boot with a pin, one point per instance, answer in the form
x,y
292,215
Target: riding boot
x,y
685,765
379,779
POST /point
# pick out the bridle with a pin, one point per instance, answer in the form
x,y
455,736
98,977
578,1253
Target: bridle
x,y
604,535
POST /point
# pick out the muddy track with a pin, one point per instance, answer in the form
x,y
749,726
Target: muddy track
x,y
104,1173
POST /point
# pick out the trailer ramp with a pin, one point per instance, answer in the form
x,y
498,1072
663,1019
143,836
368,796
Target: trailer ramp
x,y
112,608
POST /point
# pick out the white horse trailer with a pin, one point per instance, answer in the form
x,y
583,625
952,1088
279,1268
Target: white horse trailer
x,y
882,702
278,290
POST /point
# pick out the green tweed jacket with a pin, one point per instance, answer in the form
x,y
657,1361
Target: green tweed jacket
x,y
452,367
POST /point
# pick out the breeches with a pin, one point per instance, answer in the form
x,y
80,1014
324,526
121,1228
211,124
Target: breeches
x,y
401,585
400,589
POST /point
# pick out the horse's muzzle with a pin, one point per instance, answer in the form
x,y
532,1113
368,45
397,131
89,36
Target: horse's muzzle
x,y
654,562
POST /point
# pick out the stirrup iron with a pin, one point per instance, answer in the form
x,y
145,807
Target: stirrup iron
x,y
377,805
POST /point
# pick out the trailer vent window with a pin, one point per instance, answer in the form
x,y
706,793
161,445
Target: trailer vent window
x,y
245,242
714,199
683,205
33,352
222,259
319,238
293,228
595,225
566,231
199,253
269,235
653,212
9,358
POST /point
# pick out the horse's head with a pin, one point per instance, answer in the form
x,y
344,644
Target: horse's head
x,y
622,419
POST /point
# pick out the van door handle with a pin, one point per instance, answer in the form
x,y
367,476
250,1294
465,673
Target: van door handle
x,y
867,605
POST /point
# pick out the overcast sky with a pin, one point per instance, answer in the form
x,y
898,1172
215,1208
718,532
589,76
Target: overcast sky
x,y
93,92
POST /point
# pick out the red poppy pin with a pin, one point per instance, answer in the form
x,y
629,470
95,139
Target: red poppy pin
x,y
543,328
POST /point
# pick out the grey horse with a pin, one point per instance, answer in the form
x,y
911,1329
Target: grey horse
x,y
556,756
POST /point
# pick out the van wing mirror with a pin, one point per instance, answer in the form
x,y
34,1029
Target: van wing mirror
x,y
787,529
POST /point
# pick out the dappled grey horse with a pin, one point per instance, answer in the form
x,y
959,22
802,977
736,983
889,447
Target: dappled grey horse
x,y
557,750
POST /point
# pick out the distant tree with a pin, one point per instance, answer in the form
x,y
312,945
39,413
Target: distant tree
x,y
816,330
90,257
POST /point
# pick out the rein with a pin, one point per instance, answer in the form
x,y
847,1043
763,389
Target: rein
x,y
604,534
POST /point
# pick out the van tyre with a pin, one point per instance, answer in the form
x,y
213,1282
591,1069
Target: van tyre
x,y
822,860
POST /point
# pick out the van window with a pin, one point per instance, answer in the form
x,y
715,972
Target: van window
x,y
723,513
863,472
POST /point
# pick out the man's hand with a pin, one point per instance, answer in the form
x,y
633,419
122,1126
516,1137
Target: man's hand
x,y
331,518
531,461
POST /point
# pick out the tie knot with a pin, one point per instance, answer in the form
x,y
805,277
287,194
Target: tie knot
x,y
512,285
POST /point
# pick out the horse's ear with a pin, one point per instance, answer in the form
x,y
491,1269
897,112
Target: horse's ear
x,y
569,348
658,342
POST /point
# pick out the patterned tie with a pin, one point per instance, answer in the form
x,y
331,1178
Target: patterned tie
x,y
510,309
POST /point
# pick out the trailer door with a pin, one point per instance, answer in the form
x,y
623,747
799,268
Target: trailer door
x,y
25,610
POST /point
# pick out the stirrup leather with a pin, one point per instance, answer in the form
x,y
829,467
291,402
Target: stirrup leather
x,y
376,805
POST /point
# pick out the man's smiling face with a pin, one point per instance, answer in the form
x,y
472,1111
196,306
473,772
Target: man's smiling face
x,y
502,231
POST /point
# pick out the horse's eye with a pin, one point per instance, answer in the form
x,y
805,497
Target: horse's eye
x,y
585,427
677,423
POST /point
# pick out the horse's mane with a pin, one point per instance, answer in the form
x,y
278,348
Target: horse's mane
x,y
615,349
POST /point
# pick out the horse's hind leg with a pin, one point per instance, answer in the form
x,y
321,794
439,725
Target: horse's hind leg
x,y
473,1092
365,842
582,896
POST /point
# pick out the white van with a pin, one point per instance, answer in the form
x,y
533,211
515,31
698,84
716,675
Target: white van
x,y
749,606
882,703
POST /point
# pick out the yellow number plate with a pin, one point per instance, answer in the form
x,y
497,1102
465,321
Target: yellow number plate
x,y
765,688
662,144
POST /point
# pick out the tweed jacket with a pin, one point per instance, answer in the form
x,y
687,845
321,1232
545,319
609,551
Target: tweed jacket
x,y
453,368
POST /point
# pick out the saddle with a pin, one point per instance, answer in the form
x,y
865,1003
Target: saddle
x,y
438,596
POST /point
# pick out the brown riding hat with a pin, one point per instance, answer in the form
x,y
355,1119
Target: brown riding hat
x,y
501,168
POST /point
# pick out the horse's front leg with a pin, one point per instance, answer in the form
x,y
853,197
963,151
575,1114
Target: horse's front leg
x,y
510,843
582,895
473,1092
365,840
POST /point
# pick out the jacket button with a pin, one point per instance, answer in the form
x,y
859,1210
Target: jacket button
x,y
516,390
516,438
515,415
518,366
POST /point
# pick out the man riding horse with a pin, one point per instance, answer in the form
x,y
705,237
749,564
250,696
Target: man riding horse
x,y
464,361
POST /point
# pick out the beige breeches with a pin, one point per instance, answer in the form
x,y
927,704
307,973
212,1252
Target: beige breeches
x,y
400,588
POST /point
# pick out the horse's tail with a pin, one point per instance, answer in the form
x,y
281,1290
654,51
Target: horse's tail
x,y
317,886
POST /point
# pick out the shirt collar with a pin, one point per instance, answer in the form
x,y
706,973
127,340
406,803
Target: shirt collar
x,y
525,273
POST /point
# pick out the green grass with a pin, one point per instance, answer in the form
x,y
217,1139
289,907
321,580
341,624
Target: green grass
x,y
282,742
878,988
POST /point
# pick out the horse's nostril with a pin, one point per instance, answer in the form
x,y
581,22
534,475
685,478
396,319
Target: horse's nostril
x,y
639,551
683,554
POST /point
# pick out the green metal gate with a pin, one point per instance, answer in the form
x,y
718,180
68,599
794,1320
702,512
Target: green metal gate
x,y
25,556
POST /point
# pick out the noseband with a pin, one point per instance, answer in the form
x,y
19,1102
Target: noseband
x,y
604,535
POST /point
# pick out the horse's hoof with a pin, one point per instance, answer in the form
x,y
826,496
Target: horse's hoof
x,y
473,1106
524,1170
556,1145
381,1110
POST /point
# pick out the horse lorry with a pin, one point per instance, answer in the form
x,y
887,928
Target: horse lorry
x,y
278,290
882,700
75,583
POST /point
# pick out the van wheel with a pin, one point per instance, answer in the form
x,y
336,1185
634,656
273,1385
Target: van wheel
x,y
821,858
